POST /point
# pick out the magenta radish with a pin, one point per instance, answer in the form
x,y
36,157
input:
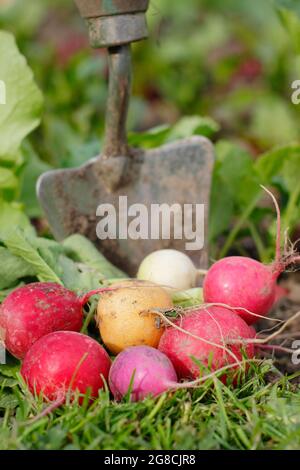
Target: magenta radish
x,y
245,284
35,310
65,362
144,371
214,337
149,370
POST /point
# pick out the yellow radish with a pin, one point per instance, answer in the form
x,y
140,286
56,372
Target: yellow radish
x,y
125,318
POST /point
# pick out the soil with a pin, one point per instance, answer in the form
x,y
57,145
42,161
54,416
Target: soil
x,y
284,309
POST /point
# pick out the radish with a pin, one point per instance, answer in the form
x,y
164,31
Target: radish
x,y
145,369
63,362
243,283
126,317
246,284
169,268
35,310
213,336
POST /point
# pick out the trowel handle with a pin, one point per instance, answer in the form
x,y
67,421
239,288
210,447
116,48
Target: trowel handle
x,y
116,24
118,100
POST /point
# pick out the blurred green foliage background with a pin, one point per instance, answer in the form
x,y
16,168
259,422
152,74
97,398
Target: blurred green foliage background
x,y
231,61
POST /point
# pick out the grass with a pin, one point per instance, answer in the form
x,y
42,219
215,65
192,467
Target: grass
x,y
258,414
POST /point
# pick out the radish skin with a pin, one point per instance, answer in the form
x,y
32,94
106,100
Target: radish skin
x,y
169,268
243,283
246,284
65,362
147,370
143,371
35,310
205,334
125,315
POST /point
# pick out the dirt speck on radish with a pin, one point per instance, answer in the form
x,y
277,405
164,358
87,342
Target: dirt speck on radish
x,y
126,315
34,310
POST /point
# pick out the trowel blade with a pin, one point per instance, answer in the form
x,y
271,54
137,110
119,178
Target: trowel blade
x,y
177,173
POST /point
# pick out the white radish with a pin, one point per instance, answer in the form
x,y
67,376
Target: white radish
x,y
169,268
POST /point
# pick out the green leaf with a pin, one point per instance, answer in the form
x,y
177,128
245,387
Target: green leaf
x,y
7,382
78,277
282,166
235,168
193,125
289,14
22,111
235,191
291,170
15,268
8,401
221,208
9,370
152,138
282,162
12,12
82,250
46,244
228,168
12,216
20,245
8,180
188,298
274,121
292,5
32,169
5,292
64,145
184,128
49,252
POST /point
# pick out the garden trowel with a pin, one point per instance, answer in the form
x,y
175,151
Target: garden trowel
x,y
130,201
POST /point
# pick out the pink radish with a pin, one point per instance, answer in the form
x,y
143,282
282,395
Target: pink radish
x,y
213,336
144,371
246,284
149,370
65,361
35,310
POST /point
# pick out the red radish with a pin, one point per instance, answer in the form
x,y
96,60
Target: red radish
x,y
35,310
253,331
243,283
144,371
65,361
214,336
246,284
149,370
